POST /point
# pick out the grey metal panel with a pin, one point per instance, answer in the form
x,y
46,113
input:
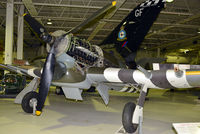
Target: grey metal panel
x,y
72,93
172,66
72,75
96,74
126,75
66,59
96,77
160,80
193,80
103,91
37,72
86,84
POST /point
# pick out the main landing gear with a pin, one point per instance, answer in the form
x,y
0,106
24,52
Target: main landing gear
x,y
28,98
127,116
132,116
29,102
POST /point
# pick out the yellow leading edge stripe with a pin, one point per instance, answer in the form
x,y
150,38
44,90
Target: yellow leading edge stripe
x,y
25,14
192,72
114,3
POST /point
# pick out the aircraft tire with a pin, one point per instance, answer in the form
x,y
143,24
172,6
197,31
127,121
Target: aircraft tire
x,y
127,117
26,101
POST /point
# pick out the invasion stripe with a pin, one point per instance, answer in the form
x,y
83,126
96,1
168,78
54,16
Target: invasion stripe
x,y
123,89
128,89
131,90
111,74
159,79
192,72
126,75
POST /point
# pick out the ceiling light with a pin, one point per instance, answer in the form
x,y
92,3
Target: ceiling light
x,y
49,23
169,0
198,30
186,50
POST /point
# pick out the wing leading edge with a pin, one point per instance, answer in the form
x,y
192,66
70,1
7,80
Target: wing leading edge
x,y
34,72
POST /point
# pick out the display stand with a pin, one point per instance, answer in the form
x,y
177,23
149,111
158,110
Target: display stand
x,y
34,106
122,130
138,113
140,125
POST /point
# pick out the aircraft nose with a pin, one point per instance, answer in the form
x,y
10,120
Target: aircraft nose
x,y
60,70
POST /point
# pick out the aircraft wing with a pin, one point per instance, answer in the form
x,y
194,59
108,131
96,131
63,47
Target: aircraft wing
x,y
32,71
95,76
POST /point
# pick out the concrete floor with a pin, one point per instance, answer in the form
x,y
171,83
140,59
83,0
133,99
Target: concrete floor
x,y
62,116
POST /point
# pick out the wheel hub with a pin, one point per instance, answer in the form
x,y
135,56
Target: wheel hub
x,y
32,101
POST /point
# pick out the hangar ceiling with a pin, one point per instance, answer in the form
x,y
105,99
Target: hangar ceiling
x,y
176,28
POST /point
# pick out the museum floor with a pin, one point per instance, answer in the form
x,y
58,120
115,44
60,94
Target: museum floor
x,y
61,116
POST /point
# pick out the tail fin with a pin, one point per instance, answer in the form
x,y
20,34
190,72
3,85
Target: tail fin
x,y
129,34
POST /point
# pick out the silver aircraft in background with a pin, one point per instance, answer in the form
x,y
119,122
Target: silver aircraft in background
x,y
74,64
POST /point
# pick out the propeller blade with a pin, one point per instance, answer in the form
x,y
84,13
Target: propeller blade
x,y
39,29
92,17
46,78
48,69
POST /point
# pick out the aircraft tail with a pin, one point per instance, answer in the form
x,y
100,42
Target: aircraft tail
x,y
129,34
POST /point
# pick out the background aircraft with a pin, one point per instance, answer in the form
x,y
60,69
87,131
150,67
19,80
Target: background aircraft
x,y
74,64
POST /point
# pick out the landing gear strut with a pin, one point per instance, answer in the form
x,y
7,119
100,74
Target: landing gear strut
x,y
132,116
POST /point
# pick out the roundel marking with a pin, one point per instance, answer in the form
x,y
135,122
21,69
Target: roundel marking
x,y
122,34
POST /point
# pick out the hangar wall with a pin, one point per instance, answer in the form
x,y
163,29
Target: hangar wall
x,y
32,52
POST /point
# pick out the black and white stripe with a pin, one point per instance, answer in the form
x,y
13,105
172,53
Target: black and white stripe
x,y
149,3
161,79
128,89
126,75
